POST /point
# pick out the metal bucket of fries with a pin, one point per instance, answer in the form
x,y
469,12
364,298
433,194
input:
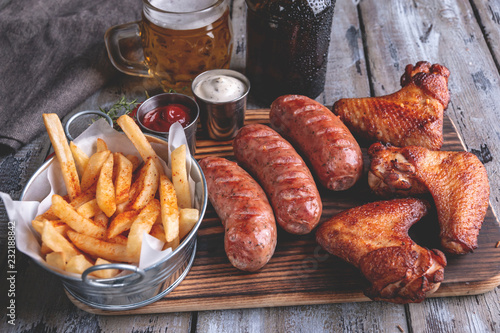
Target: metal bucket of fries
x,y
135,283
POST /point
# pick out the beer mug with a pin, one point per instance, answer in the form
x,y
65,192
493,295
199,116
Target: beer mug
x,y
180,39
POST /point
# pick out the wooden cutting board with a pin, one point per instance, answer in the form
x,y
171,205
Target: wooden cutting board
x,y
300,272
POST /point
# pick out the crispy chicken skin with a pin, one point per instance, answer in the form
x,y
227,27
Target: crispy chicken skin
x,y
410,116
457,181
391,174
374,238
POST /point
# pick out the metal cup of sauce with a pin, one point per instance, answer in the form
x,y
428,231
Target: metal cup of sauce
x,y
222,97
158,113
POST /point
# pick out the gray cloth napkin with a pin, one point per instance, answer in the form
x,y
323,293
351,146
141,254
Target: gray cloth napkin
x,y
52,57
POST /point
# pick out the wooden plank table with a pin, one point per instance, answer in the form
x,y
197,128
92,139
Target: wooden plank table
x,y
371,43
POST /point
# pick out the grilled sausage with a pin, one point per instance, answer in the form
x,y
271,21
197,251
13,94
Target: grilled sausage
x,y
321,137
248,219
283,175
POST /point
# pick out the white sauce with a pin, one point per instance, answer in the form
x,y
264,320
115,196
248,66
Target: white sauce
x,y
220,88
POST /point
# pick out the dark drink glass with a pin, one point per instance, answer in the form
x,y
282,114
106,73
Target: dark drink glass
x,y
287,46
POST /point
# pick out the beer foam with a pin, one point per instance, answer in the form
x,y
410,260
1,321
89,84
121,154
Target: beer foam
x,y
184,14
182,6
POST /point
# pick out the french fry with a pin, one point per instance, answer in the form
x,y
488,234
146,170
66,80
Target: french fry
x,y
134,160
123,177
56,259
137,183
105,191
121,223
138,139
173,244
180,178
118,239
149,186
68,214
44,249
38,222
57,242
58,225
93,169
100,248
48,215
169,209
101,219
101,145
158,220
81,159
89,209
187,219
142,224
63,153
78,264
122,207
104,273
84,197
158,232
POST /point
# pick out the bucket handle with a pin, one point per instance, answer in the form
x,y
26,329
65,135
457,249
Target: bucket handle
x,y
82,113
92,282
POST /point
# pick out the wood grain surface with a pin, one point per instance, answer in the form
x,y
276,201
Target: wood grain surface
x,y
300,272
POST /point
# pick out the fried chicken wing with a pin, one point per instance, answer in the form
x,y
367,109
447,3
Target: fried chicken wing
x,y
374,238
410,116
391,174
457,181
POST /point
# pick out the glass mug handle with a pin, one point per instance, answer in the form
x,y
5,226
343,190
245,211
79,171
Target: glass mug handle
x,y
112,38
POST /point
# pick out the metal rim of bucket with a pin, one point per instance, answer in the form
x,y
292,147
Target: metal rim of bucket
x,y
125,267
83,113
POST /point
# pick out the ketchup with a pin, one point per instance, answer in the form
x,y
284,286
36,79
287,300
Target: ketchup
x,y
161,118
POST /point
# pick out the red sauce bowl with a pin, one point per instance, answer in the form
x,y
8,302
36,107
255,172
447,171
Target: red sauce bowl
x,y
156,114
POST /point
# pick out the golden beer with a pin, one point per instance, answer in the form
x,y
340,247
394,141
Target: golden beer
x,y
179,39
176,56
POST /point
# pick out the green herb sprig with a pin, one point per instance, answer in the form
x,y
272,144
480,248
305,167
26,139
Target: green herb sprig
x,y
120,108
